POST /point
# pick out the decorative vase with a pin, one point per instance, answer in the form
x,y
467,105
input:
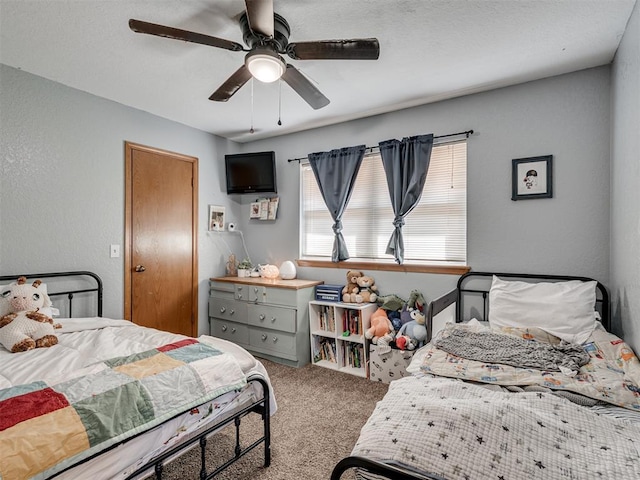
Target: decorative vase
x,y
287,270
242,272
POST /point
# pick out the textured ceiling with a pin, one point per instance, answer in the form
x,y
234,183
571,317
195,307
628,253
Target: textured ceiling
x,y
429,50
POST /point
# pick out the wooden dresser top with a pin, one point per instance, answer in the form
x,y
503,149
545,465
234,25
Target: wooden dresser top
x,y
294,284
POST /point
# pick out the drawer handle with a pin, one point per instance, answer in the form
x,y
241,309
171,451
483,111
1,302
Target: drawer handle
x,y
232,312
264,337
275,339
273,319
223,309
224,328
255,289
239,296
233,330
262,316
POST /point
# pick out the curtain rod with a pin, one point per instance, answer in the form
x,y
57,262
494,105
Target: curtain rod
x,y
370,149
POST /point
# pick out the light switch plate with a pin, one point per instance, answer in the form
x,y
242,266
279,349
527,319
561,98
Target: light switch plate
x,y
115,251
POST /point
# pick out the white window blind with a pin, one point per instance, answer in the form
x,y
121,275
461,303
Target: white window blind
x,y
434,231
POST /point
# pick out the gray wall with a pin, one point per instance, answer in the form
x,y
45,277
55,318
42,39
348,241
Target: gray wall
x,y
62,181
62,184
625,184
566,116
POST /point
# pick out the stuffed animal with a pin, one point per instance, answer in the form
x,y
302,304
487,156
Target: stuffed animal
x,y
405,315
415,329
391,302
25,327
381,330
405,342
416,302
367,290
393,305
351,288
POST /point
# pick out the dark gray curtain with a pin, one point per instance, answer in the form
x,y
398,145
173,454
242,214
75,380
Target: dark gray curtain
x,y
336,172
405,163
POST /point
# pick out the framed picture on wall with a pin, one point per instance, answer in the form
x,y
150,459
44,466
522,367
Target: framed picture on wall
x,y
531,178
216,218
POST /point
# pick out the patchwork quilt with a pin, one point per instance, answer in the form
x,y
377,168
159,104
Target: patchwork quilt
x,y
47,426
612,374
463,431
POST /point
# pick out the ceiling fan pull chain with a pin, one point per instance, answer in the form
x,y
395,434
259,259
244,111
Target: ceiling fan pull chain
x,y
279,102
251,130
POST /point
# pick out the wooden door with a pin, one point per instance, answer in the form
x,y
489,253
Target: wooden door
x,y
161,281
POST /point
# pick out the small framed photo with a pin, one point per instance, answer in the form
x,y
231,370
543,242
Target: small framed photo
x,y
255,210
531,178
216,218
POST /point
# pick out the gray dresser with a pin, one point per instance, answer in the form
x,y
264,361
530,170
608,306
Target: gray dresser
x,y
270,318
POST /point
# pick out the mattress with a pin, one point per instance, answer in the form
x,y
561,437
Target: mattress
x,y
85,342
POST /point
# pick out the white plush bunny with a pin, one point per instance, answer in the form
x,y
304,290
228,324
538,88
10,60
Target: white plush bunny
x,y
25,327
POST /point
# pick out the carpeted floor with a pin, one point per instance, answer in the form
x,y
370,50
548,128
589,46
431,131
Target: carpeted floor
x,y
320,414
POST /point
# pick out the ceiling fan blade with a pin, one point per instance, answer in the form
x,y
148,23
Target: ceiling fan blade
x,y
260,16
353,49
231,85
139,26
304,88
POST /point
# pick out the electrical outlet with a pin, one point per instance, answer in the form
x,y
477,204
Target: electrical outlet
x,y
115,251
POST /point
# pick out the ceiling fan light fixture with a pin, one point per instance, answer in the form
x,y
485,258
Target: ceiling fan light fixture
x,y
265,65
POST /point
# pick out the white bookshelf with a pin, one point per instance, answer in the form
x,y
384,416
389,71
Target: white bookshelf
x,y
337,335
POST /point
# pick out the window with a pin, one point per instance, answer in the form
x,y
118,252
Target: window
x,y
434,231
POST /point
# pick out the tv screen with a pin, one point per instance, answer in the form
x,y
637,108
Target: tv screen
x,y
251,172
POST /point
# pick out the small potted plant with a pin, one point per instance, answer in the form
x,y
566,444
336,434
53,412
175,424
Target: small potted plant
x,y
244,268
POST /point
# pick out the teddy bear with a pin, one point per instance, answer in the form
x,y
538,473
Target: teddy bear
x,y
381,330
351,288
414,329
367,290
25,328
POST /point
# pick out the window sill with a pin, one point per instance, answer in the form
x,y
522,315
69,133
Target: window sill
x,y
389,267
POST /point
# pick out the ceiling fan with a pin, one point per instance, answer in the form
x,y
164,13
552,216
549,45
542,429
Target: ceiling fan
x,y
267,35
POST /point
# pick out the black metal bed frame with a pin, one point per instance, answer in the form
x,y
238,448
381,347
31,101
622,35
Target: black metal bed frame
x,y
457,297
260,406
69,293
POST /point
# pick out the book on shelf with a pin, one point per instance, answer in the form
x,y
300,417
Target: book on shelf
x,y
353,355
326,317
351,322
326,350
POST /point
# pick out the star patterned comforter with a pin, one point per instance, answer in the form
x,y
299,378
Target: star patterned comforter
x,y
459,418
463,431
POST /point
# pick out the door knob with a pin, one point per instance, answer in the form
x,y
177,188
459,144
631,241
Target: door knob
x,y
139,268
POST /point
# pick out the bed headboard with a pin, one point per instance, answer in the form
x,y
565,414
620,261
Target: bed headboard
x,y
473,293
67,284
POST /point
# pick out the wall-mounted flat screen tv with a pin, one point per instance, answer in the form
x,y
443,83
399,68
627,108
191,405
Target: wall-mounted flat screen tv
x,y
251,172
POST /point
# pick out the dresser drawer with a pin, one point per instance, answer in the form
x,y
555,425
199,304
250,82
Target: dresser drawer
x,y
234,332
217,288
276,296
273,341
227,309
266,316
241,292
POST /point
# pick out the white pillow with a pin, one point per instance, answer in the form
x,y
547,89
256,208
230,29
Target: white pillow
x,y
563,309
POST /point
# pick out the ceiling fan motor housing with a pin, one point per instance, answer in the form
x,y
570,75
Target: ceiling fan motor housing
x,y
281,32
